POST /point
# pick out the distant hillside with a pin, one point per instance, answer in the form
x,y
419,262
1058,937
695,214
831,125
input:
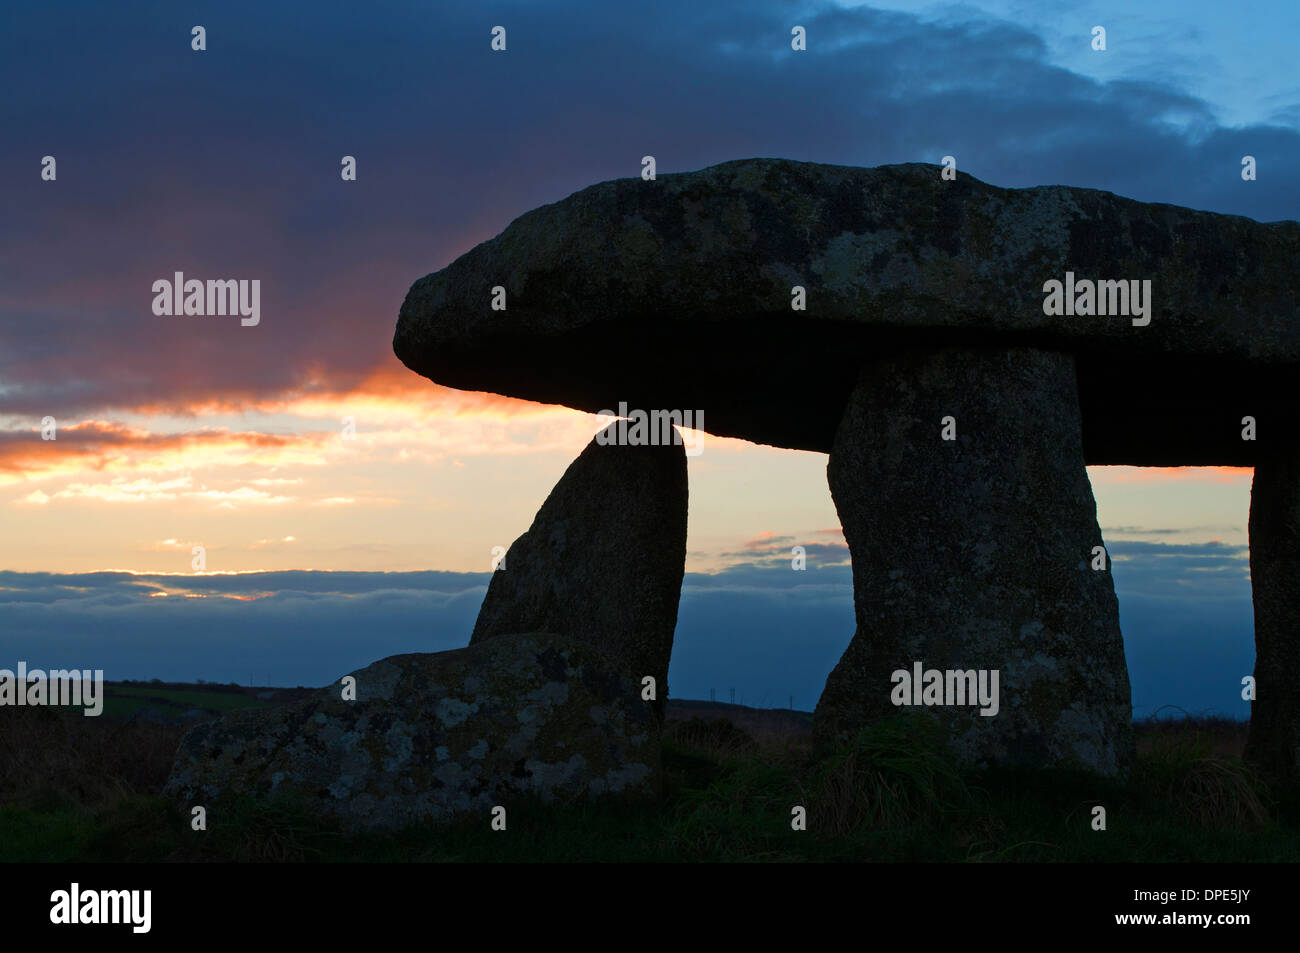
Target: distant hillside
x,y
758,723
181,703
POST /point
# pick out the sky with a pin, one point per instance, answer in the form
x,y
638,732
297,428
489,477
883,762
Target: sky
x,y
174,433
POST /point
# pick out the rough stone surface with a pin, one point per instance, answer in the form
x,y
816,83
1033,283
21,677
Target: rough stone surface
x,y
434,736
602,285
975,554
1274,741
603,560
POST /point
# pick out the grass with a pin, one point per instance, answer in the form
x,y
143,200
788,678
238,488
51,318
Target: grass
x,y
893,775
123,701
74,788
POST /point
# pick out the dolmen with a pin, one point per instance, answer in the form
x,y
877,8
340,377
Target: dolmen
x,y
960,351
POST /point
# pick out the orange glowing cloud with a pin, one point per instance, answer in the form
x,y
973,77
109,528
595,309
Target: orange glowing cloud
x,y
1124,474
96,446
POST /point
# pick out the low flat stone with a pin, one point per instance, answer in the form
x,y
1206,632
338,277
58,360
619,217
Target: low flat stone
x,y
438,736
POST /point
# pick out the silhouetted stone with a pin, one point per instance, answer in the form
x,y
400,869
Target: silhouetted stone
x,y
976,553
896,263
603,560
602,285
1274,741
432,737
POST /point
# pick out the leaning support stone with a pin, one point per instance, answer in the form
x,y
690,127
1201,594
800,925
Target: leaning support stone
x,y
604,559
1274,742
976,553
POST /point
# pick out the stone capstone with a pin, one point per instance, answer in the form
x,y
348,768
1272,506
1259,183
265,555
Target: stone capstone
x,y
602,285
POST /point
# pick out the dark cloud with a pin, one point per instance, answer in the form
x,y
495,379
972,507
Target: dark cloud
x,y
48,587
225,163
768,632
1191,574
1215,551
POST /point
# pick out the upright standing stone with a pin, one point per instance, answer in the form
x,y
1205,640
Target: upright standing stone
x,y
976,553
1274,741
604,559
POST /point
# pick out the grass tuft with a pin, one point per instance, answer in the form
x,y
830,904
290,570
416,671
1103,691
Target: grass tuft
x,y
894,774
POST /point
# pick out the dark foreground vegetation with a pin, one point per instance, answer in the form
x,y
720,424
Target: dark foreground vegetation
x,y
85,789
